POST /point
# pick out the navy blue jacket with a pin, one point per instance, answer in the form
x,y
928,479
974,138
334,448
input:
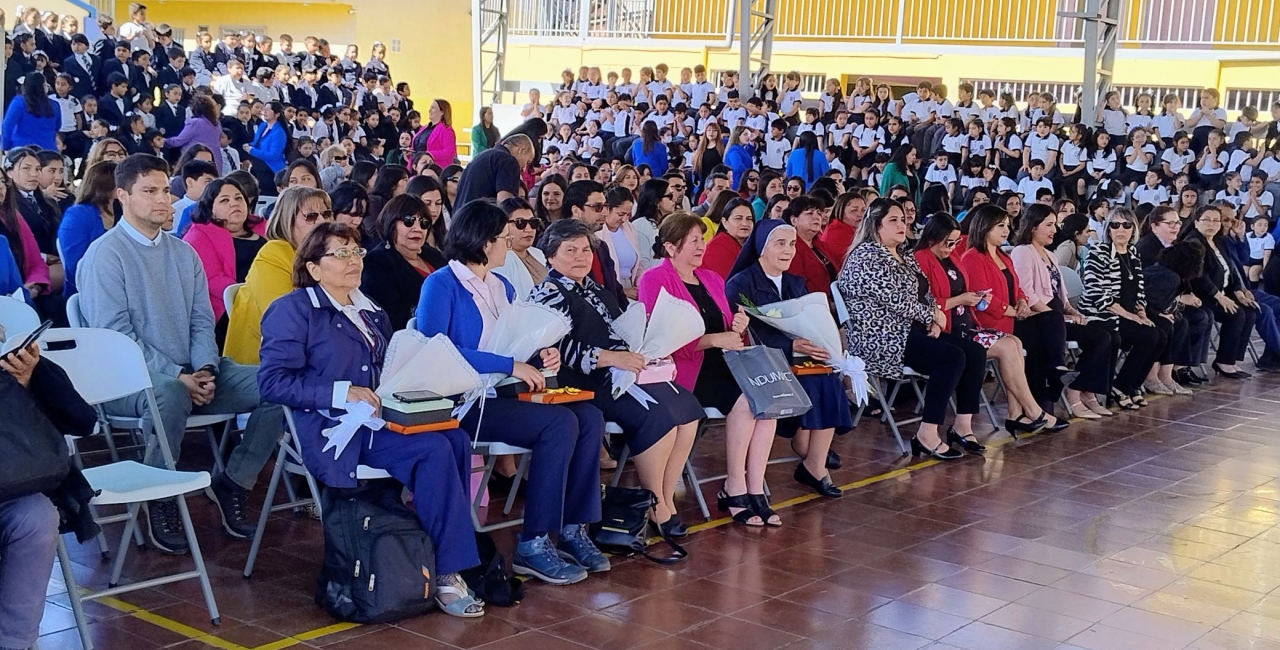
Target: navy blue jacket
x,y
754,287
307,345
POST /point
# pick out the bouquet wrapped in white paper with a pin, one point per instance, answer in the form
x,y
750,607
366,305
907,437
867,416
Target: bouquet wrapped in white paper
x,y
415,362
809,318
522,330
671,326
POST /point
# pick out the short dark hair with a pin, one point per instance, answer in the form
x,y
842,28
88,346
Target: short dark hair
x,y
673,231
1186,258
559,232
514,203
315,245
115,79
982,220
350,198
401,205
136,166
577,194
473,226
195,168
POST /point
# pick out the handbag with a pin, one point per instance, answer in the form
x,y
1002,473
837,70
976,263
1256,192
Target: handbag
x,y
33,453
764,374
624,524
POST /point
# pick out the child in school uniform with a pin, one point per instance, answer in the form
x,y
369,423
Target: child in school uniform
x,y
776,147
1139,154
840,133
1035,180
941,172
1257,202
1231,190
1213,162
1178,158
865,143
757,119
1247,121
833,159
1042,145
733,114
1261,244
812,124
1206,118
1151,191
972,176
830,98
954,141
977,144
1142,115
1168,123
876,171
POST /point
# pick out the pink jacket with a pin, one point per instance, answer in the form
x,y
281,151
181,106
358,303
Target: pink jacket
x,y
218,256
664,276
442,144
34,269
1033,275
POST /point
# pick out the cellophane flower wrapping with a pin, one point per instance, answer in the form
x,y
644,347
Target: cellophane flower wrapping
x,y
522,330
809,317
672,324
415,362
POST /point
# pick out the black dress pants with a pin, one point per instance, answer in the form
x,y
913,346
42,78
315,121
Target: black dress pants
x,y
1044,337
946,365
1233,338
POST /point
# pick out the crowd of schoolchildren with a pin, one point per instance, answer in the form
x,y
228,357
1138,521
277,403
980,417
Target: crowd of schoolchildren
x,y
952,233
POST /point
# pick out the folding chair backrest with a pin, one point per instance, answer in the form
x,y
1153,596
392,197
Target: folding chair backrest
x,y
17,317
229,296
842,310
412,324
103,364
73,311
1071,280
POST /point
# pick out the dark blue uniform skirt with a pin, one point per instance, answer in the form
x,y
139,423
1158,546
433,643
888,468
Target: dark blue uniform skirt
x,y
830,407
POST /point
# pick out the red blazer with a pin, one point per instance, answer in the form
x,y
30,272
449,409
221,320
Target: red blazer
x,y
939,283
834,241
983,274
807,265
722,251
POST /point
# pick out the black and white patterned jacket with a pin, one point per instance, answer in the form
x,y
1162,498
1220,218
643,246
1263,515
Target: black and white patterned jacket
x,y
592,310
1101,278
883,296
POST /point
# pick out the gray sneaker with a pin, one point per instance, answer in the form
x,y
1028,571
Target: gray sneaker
x,y
538,558
575,546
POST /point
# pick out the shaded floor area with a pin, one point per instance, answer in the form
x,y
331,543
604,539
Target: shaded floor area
x,y
1150,530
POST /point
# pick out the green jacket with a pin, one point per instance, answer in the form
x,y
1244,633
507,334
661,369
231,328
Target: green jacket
x,y
893,175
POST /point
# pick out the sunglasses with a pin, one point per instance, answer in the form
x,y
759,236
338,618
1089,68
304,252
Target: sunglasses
x,y
311,217
344,254
951,243
409,219
1121,225
797,188
339,158
521,224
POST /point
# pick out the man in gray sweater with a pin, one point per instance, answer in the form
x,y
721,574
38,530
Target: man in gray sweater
x,y
151,286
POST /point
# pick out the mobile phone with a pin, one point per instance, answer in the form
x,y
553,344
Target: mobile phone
x,y
415,396
31,338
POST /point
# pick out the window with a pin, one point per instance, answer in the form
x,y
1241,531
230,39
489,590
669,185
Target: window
x,y
1238,98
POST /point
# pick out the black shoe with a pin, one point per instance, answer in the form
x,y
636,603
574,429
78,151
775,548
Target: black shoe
x,y
1238,374
1188,378
823,487
501,482
833,460
918,449
672,528
164,527
232,502
969,444
1030,426
760,504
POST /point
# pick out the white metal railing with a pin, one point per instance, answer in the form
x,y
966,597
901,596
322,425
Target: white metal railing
x,y
1238,98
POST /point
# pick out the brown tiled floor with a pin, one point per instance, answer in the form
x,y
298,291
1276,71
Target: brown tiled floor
x,y
1150,530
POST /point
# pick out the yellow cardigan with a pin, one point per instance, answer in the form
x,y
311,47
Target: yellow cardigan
x,y
270,277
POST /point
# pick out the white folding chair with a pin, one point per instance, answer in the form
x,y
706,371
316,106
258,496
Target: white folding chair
x,y
229,296
104,365
73,311
491,451
17,317
289,459
1072,283
412,324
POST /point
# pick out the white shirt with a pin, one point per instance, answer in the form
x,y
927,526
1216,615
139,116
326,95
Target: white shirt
x,y
1177,161
1164,125
622,122
979,146
662,120
1114,122
1139,163
69,107
137,235
942,176
136,35
698,92
838,133
1236,199
1027,187
1153,195
815,127
1038,148
775,153
733,116
953,143
1072,155
1259,245
868,136
489,294
1103,161
565,114
1266,201
1135,120
232,91
789,99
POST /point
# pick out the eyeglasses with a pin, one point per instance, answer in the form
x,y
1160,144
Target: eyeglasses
x,y
594,207
796,188
1211,220
673,196
521,224
311,217
409,219
1173,222
344,254
1121,225
453,179
951,243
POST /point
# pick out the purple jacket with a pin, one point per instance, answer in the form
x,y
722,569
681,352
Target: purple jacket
x,y
198,130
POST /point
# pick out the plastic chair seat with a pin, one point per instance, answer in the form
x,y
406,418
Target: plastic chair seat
x,y
201,421
366,473
612,428
713,414
908,372
132,482
500,449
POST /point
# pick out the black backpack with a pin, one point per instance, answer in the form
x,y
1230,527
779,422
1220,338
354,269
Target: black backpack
x,y
379,565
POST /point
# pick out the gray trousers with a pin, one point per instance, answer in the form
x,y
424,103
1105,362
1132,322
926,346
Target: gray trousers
x,y
236,392
28,542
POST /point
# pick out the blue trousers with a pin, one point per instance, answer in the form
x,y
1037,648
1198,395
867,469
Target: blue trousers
x,y
436,467
28,542
1199,329
1267,325
564,472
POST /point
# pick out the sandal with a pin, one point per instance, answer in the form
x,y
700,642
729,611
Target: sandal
x,y
760,504
1122,400
746,515
465,606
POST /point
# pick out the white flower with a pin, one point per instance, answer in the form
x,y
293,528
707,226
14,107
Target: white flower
x,y
774,313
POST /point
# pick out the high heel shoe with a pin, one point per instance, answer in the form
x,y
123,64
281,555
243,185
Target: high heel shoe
x,y
918,449
1017,426
746,515
967,442
760,504
822,486
1238,374
1120,399
1058,423
1079,410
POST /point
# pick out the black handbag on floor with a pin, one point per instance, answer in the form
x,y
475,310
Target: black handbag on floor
x,y
624,525
489,579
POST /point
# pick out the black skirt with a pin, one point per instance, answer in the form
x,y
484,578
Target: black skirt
x,y
716,388
643,427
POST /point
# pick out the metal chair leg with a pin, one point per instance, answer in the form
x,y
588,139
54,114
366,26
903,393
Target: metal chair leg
x,y
205,586
266,512
130,525
218,465
73,594
521,469
691,478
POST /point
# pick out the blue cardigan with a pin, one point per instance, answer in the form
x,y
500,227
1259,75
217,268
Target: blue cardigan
x,y
740,159
796,165
81,225
446,307
20,128
268,146
307,346
657,159
10,274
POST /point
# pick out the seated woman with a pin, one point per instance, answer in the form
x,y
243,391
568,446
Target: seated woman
x,y
949,288
227,240
659,435
700,365
296,212
394,271
1222,290
1115,300
760,278
846,216
314,365
463,300
1039,275
22,242
1040,331
736,220
1192,324
525,266
808,215
895,322
620,237
1070,241
1174,268
90,218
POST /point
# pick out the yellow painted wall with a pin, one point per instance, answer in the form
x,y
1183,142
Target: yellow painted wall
x,y
329,20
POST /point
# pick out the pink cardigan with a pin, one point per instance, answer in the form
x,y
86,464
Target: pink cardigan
x,y
218,256
442,144
35,270
1033,275
688,359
